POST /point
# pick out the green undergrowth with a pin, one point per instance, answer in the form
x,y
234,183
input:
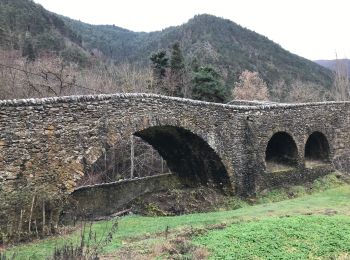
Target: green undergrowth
x,y
203,199
333,180
297,237
330,196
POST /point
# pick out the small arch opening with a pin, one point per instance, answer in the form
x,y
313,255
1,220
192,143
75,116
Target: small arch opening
x,y
281,153
316,150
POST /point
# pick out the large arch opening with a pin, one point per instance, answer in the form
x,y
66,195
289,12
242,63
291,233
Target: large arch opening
x,y
129,158
316,150
187,155
281,153
192,164
155,151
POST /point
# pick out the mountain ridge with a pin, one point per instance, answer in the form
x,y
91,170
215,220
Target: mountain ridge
x,y
211,40
331,64
20,17
205,39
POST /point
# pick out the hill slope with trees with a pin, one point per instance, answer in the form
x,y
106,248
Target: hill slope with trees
x,y
211,48
206,39
28,27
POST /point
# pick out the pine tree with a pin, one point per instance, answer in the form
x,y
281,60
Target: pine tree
x,y
160,63
177,72
28,49
207,85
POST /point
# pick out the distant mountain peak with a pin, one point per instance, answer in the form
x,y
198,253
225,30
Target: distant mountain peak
x,y
332,64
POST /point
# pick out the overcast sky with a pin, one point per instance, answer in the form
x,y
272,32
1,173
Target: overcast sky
x,y
314,29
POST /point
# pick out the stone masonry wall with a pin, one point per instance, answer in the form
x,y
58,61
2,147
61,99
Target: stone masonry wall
x,y
113,196
46,144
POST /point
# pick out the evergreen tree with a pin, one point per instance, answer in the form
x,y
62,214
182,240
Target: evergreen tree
x,y
195,65
207,85
177,72
28,49
4,39
160,63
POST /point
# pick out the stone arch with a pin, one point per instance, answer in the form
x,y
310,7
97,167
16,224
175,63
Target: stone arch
x,y
187,154
317,150
281,152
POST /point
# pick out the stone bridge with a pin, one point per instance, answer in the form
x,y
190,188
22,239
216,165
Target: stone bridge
x,y
47,144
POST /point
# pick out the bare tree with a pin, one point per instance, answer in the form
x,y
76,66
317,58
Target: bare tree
x,y
142,160
250,87
341,84
47,76
299,91
279,91
50,75
304,92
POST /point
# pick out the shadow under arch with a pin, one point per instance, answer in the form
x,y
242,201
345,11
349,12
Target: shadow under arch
x,y
281,152
316,149
187,155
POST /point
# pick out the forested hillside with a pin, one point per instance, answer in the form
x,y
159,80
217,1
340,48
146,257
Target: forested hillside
x,y
208,40
211,54
30,28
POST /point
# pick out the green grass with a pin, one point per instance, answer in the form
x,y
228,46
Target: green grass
x,y
321,184
336,199
298,237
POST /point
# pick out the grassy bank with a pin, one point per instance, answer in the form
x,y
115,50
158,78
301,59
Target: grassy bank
x,y
142,233
295,237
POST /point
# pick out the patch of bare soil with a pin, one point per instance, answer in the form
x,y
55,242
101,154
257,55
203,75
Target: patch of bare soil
x,y
277,167
314,163
179,201
172,244
175,248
